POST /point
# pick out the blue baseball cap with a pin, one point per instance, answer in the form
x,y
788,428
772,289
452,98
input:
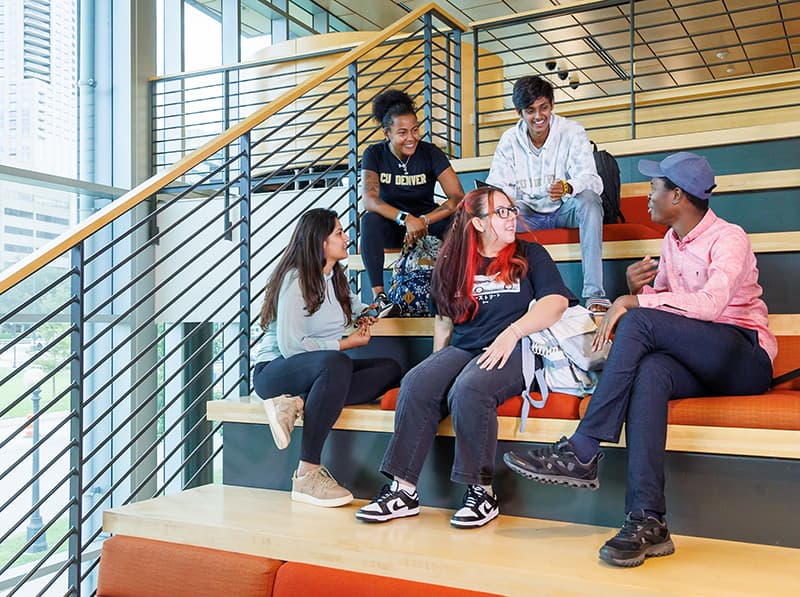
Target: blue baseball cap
x,y
689,171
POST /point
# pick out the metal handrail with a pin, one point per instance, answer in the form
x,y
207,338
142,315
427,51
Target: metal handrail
x,y
157,182
110,325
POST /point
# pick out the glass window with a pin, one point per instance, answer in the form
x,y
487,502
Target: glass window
x,y
301,14
202,32
256,20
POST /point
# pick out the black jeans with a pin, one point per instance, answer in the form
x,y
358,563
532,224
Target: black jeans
x,y
656,357
327,380
378,234
450,382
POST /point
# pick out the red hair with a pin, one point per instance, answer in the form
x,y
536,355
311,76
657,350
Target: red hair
x,y
458,261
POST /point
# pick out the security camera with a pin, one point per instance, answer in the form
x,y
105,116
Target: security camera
x,y
563,74
550,64
574,83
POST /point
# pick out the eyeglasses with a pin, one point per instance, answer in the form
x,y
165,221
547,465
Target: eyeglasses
x,y
503,212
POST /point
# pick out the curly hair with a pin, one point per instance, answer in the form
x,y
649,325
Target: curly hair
x,y
391,103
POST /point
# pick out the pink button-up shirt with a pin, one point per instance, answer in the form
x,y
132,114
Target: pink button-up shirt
x,y
711,275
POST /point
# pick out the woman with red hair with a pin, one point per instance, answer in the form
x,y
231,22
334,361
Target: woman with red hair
x,y
483,286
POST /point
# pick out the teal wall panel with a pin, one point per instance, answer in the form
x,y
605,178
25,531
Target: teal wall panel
x,y
762,156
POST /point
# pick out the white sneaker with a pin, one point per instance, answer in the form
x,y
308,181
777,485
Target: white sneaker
x,y
282,411
319,488
479,508
391,502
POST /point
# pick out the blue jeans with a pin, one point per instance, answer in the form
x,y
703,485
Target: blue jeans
x,y
450,382
327,380
656,357
379,234
585,212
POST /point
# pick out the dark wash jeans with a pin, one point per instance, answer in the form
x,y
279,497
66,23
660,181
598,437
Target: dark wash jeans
x,y
378,234
450,382
328,380
656,357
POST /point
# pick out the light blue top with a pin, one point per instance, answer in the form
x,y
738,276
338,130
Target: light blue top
x,y
293,331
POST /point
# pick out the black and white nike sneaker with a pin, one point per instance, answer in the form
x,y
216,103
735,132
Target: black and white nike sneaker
x,y
391,502
479,508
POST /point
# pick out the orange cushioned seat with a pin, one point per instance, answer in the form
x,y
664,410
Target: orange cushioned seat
x,y
558,406
637,226
136,567
777,409
611,232
295,579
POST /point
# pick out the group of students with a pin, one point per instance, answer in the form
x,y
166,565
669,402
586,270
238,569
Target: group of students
x,y
693,323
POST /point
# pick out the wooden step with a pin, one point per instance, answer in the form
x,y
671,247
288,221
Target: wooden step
x,y
762,242
511,555
692,141
698,439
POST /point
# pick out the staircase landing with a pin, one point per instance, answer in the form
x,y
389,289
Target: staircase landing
x,y
512,555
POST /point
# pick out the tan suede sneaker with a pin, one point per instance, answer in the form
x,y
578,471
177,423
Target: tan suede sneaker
x,y
318,487
282,411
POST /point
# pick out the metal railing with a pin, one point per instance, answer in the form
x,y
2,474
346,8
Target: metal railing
x,y
630,69
118,333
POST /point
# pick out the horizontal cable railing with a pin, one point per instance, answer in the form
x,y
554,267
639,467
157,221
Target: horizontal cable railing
x,y
118,332
619,66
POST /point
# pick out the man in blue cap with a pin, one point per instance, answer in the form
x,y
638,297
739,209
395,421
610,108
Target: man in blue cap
x,y
699,330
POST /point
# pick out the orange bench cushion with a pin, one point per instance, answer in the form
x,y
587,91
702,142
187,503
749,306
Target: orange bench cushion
x,y
777,409
558,406
135,567
610,232
295,579
637,226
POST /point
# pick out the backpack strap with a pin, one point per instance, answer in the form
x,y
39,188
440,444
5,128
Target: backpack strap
x,y
533,373
784,378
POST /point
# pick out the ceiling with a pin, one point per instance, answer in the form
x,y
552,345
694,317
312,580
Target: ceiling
x,y
678,42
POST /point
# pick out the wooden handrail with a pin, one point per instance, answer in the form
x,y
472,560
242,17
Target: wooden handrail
x,y
25,267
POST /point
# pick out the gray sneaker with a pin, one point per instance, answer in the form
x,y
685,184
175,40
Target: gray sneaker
x,y
282,411
319,488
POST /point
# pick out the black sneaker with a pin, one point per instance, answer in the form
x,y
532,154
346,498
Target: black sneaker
x,y
479,508
556,464
384,307
391,502
638,539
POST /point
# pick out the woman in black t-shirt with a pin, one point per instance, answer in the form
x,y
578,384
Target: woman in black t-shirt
x,y
483,284
399,176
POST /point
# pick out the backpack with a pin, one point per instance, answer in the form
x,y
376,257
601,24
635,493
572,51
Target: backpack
x,y
411,277
560,359
608,169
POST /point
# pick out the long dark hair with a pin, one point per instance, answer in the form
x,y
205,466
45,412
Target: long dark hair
x,y
458,261
391,103
305,254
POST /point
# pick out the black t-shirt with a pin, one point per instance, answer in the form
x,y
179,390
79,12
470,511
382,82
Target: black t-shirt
x,y
410,191
500,305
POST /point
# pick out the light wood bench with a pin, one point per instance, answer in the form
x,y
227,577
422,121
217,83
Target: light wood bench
x,y
777,443
513,555
762,242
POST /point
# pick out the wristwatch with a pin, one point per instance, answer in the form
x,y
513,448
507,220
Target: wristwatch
x,y
401,217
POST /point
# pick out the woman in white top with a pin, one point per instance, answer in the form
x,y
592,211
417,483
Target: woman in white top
x,y
301,367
